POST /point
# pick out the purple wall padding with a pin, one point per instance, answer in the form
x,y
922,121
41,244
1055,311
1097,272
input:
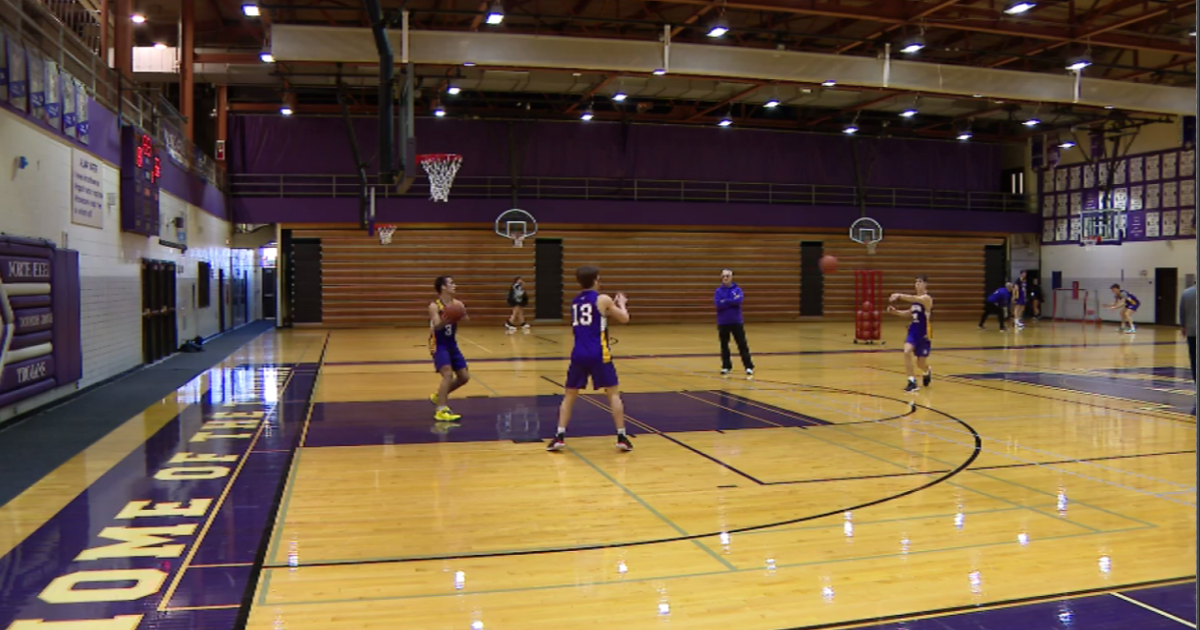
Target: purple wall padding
x,y
68,335
300,145
663,213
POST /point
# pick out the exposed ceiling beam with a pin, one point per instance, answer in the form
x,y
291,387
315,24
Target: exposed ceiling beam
x,y
709,5
975,114
853,108
736,97
887,29
591,92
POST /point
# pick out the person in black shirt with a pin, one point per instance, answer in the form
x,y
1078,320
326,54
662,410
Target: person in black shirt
x,y
518,299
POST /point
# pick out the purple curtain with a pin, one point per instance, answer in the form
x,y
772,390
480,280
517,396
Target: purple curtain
x,y
300,145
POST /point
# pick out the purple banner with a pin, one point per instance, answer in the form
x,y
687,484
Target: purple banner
x,y
24,269
32,339
29,301
27,372
33,320
1135,226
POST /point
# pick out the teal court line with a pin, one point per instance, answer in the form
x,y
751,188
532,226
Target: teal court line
x,y
843,430
653,511
455,593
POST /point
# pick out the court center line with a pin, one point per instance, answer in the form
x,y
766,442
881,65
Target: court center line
x,y
653,511
1153,609
476,345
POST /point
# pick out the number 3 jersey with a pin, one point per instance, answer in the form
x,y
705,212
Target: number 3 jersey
x,y
442,336
591,329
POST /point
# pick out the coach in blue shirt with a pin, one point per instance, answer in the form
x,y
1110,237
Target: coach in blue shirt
x,y
728,300
997,303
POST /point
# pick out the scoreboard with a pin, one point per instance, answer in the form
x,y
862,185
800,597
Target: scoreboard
x,y
141,168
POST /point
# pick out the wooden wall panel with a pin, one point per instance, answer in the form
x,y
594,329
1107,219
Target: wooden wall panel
x,y
669,276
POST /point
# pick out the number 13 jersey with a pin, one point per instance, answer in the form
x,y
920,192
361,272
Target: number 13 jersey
x,y
591,329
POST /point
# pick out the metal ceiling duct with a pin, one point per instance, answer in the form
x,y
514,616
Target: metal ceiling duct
x,y
336,44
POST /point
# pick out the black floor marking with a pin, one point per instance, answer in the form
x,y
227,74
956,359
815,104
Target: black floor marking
x,y
975,451
545,339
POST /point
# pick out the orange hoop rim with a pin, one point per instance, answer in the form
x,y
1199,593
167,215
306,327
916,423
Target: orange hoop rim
x,y
437,157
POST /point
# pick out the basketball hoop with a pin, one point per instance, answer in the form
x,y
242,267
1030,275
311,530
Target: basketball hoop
x,y
516,224
1089,242
441,168
866,231
385,234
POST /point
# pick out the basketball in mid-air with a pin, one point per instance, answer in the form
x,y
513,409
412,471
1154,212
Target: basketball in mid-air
x,y
828,264
453,312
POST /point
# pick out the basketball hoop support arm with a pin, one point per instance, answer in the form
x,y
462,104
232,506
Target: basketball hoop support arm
x,y
386,78
666,61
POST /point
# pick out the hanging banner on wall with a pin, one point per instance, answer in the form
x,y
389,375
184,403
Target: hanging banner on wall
x,y
68,104
1053,152
1037,150
53,96
36,67
3,65
82,126
87,190
18,87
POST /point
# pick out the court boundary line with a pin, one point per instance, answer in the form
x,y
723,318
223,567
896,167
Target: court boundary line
x,y
266,542
1152,609
640,543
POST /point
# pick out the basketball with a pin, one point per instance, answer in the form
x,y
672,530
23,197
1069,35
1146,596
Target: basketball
x,y
828,264
453,312
867,306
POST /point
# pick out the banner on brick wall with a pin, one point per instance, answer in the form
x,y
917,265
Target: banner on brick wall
x,y
53,96
4,65
18,86
68,104
87,190
35,64
82,126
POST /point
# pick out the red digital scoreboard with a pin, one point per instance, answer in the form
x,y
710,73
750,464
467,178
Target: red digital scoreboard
x,y
141,168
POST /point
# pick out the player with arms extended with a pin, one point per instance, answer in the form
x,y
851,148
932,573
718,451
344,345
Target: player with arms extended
x,y
592,357
444,314
1128,303
919,341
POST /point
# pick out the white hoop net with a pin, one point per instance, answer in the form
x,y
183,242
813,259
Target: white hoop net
x,y
385,234
1090,242
519,241
441,169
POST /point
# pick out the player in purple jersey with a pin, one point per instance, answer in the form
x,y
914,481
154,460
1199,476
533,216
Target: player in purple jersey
x,y
592,356
443,347
1128,305
920,333
1020,298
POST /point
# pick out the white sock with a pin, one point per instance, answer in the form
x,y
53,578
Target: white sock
x,y
620,431
912,379
562,431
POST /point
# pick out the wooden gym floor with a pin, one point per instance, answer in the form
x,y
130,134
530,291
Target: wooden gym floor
x,y
1046,478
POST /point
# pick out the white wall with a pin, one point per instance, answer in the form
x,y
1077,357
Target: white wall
x,y
1123,264
35,202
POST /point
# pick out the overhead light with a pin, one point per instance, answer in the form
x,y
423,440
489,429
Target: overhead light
x,y
1192,33
1108,107
908,113
1032,122
725,122
829,83
453,90
913,45
771,104
587,115
496,13
964,136
850,129
285,110
976,96
137,18
469,64
1079,63
439,111
719,27
266,57
250,9
1019,7
619,96
1067,145
160,46
660,72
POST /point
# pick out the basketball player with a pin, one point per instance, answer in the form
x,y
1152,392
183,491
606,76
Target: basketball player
x,y
728,300
1128,303
518,299
591,357
919,341
443,345
1020,297
997,303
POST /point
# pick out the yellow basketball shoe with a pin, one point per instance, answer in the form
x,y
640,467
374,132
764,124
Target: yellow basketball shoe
x,y
443,414
433,398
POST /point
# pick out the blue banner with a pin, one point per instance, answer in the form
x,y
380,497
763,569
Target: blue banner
x,y
36,67
68,103
18,86
53,96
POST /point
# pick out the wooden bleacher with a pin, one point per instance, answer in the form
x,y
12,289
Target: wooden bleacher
x,y
669,275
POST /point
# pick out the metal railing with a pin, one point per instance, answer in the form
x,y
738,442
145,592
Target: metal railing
x,y
67,32
590,188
